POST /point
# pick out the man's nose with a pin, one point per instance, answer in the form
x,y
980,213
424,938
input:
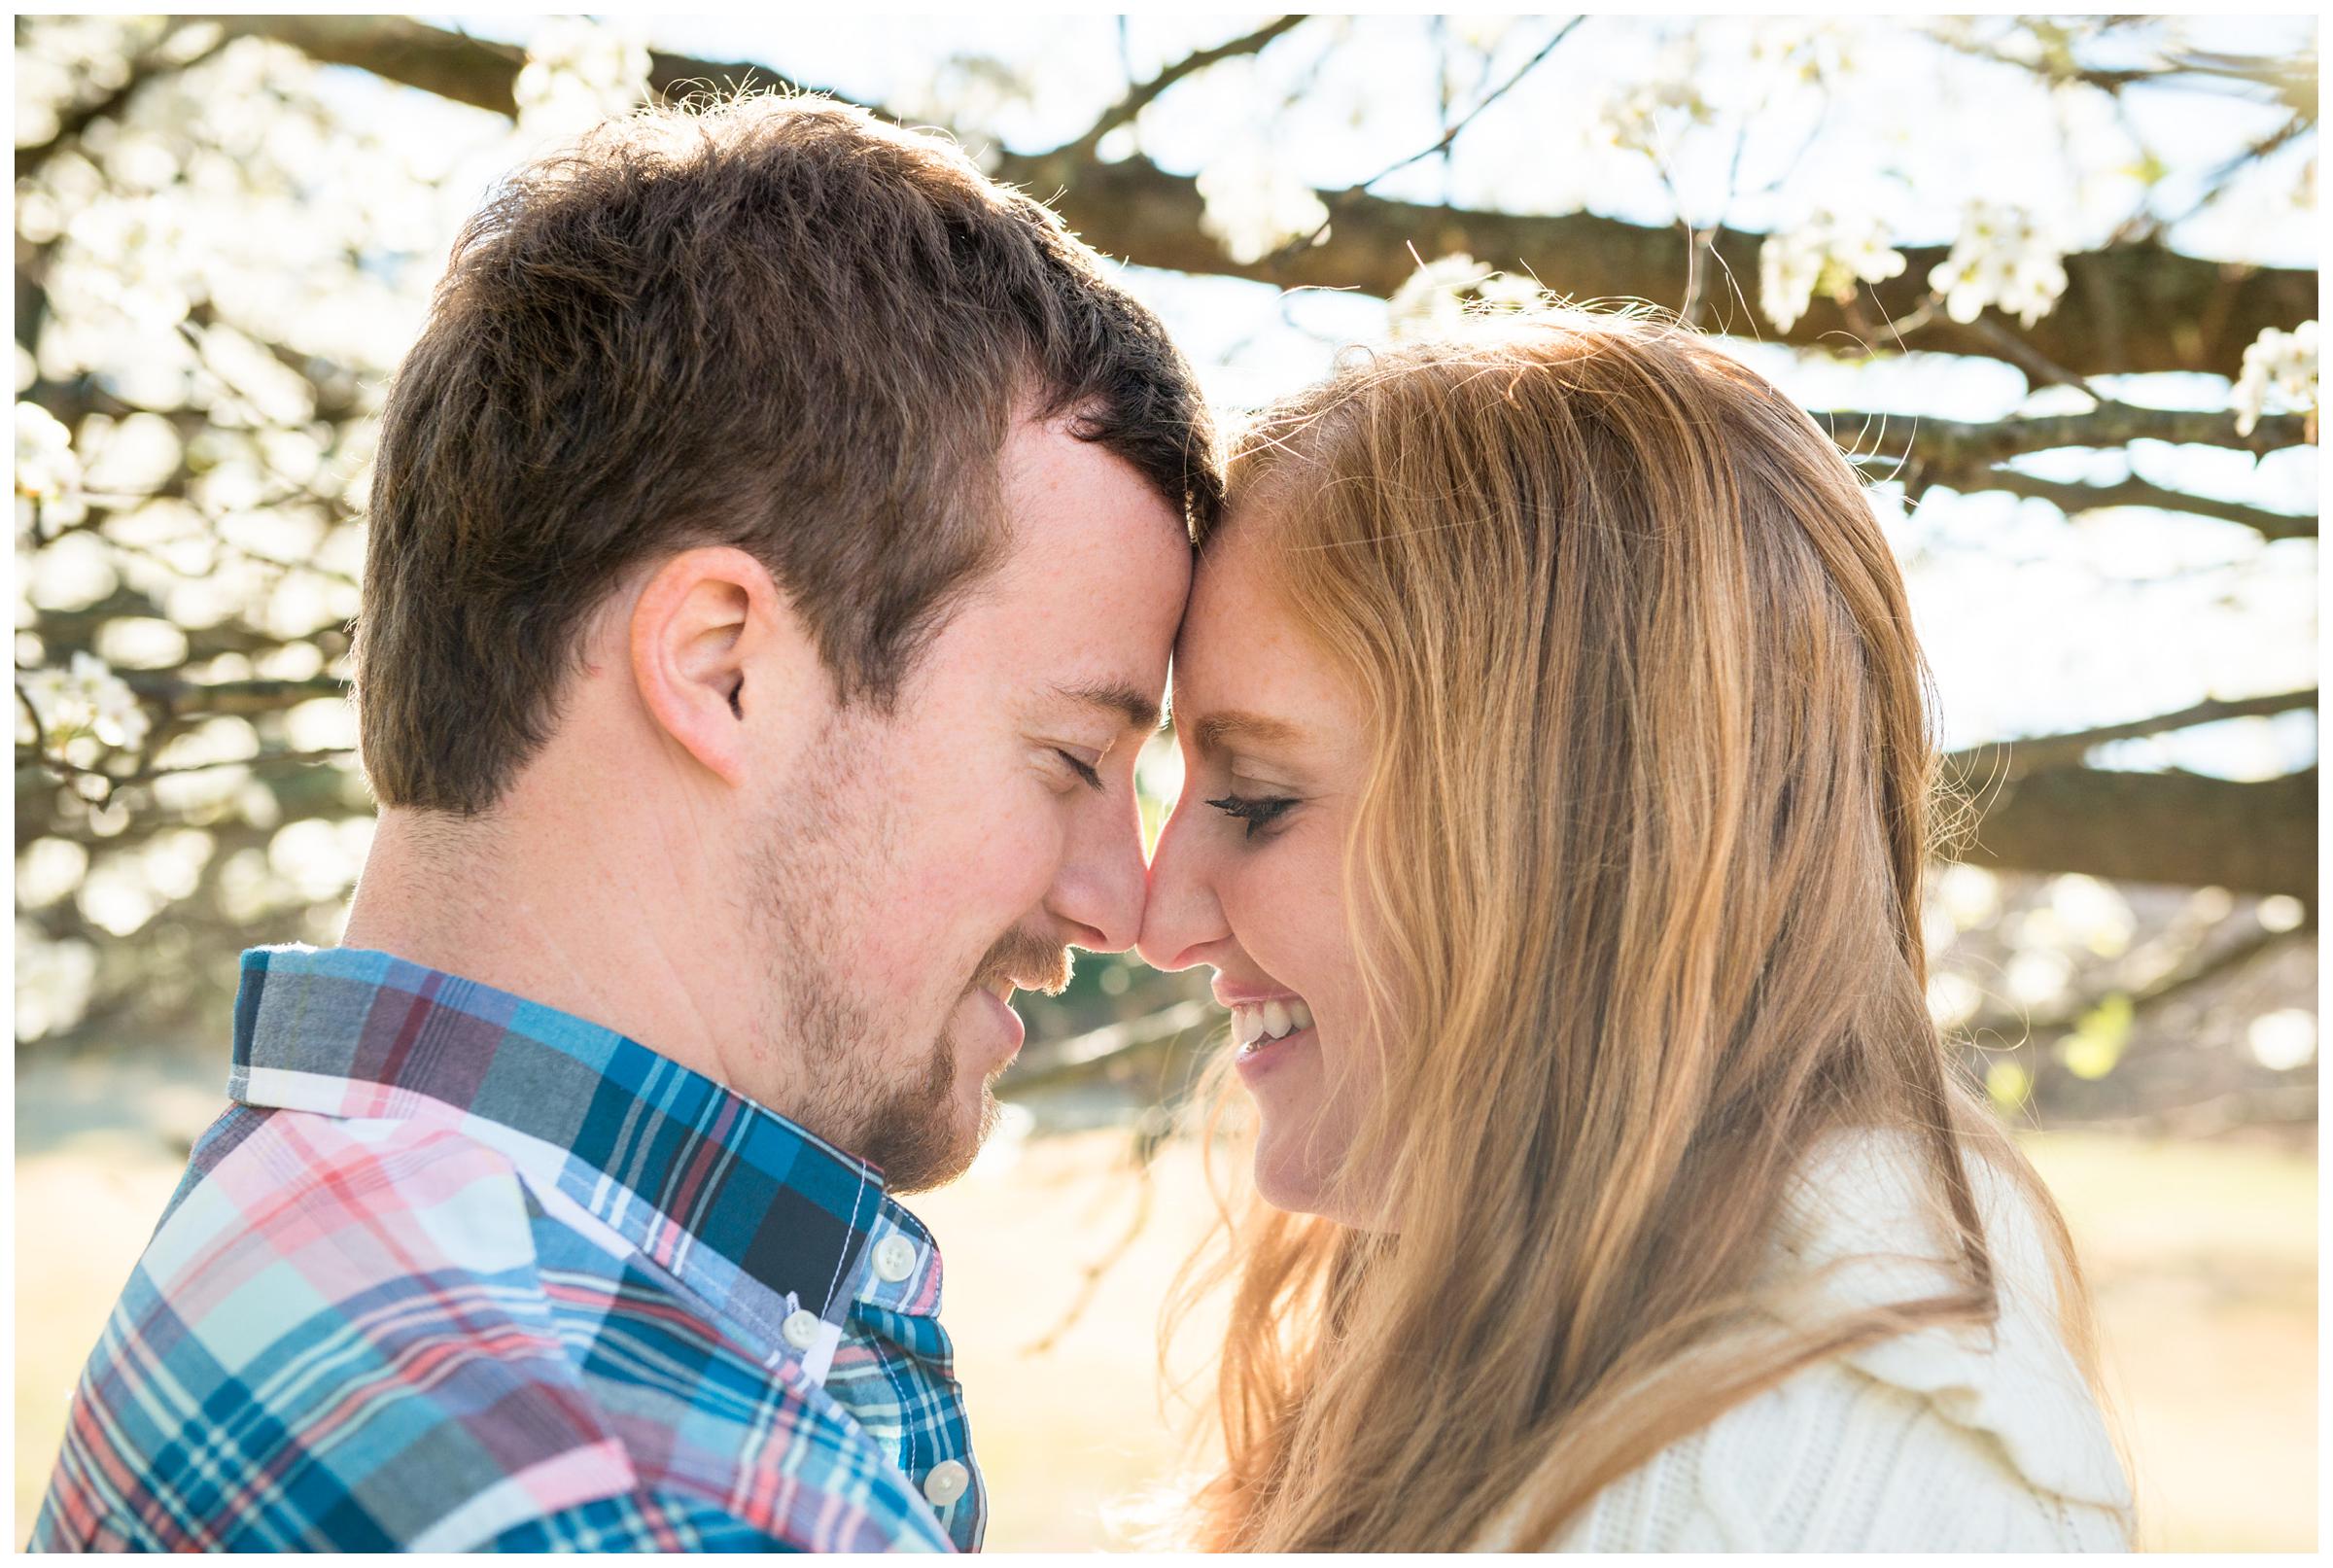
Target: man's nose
x,y
1100,890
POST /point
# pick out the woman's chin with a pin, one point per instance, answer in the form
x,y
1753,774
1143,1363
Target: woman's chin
x,y
1286,1178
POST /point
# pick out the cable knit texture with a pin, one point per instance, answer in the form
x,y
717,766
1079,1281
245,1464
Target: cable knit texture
x,y
1945,1440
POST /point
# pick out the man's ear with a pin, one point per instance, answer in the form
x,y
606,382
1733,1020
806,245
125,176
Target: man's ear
x,y
719,657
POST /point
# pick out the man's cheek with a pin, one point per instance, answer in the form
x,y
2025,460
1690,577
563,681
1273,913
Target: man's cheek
x,y
1001,860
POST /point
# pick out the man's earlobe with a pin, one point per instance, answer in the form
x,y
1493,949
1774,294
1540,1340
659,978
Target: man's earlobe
x,y
703,618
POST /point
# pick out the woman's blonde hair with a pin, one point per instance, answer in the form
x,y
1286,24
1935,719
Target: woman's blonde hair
x,y
1636,881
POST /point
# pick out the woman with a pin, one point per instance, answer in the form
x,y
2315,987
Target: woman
x,y
1555,807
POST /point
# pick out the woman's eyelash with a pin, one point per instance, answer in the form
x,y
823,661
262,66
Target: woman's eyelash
x,y
1085,770
1256,812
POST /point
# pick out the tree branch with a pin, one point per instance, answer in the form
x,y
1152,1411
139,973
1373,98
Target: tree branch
x,y
2075,499
2199,968
179,697
1097,1052
2290,81
2013,759
2130,308
1129,108
2168,827
1950,446
474,71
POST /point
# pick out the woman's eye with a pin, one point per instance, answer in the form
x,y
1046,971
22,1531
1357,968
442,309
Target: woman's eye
x,y
1082,768
1257,811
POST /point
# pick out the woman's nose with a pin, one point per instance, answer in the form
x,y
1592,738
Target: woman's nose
x,y
1179,914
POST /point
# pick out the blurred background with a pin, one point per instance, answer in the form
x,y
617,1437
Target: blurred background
x,y
2051,282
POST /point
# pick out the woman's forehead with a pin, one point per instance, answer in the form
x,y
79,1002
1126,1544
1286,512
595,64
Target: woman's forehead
x,y
1243,663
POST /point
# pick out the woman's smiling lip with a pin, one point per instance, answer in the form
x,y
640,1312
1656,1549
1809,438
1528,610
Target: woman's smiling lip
x,y
1227,995
1251,1062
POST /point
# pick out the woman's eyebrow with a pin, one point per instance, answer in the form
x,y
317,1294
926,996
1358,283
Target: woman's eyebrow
x,y
1216,731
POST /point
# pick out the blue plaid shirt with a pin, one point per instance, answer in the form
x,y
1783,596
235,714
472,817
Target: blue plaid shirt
x,y
460,1272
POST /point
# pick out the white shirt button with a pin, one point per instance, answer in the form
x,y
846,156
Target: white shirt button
x,y
946,1482
894,1258
801,1330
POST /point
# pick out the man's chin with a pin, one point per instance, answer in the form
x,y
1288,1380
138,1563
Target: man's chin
x,y
923,1139
971,1126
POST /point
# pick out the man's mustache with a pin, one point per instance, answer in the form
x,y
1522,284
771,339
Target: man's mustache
x,y
1028,960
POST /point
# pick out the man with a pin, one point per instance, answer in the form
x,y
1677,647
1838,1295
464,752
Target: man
x,y
777,542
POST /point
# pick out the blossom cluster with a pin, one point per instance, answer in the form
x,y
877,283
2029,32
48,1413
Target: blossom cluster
x,y
47,473
2280,363
1254,205
1826,255
84,699
1636,116
1438,295
205,189
578,73
2003,258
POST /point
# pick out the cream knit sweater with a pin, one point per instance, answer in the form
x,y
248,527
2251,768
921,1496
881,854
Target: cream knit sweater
x,y
1946,1439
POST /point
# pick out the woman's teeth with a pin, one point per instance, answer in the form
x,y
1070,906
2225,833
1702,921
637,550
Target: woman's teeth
x,y
1268,1021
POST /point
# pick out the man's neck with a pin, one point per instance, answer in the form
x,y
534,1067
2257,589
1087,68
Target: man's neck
x,y
546,922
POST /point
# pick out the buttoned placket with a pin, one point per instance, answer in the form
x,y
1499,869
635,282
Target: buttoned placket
x,y
895,1279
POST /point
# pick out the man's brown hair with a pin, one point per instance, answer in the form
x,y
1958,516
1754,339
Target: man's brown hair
x,y
777,323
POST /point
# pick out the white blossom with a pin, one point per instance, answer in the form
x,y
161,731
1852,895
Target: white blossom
x,y
85,699
1786,50
1434,298
2280,363
1254,205
1632,113
48,473
46,466
578,73
1440,295
1826,255
2003,258
1511,292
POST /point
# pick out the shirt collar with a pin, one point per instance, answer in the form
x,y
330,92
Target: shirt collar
x,y
754,1212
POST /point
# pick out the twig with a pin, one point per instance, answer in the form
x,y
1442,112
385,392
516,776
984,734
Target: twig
x,y
2218,183
1129,108
1347,196
40,731
2199,968
179,697
66,771
2036,364
1084,1056
1493,97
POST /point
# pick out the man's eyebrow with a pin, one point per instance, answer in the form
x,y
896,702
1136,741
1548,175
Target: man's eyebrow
x,y
1215,731
1129,703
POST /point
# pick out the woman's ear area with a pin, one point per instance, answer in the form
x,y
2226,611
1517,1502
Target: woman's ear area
x,y
723,664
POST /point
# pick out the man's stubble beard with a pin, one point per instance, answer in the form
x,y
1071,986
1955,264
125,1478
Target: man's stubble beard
x,y
833,836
